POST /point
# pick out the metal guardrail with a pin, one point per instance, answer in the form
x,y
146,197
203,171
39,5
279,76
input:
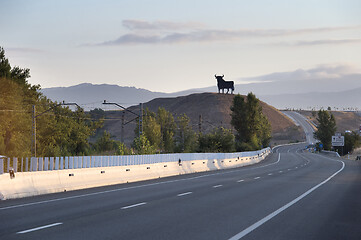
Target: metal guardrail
x,y
75,162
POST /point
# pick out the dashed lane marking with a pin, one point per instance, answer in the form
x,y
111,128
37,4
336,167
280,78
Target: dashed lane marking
x,y
134,205
39,228
183,194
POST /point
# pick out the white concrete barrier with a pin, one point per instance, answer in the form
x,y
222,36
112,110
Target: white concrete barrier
x,y
42,182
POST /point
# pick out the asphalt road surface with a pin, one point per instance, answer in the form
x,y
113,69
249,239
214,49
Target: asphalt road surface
x,y
290,195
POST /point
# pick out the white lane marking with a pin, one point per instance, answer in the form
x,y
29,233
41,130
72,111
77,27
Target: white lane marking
x,y
296,167
134,205
288,169
134,187
257,178
270,174
183,194
217,186
39,228
240,180
275,213
280,171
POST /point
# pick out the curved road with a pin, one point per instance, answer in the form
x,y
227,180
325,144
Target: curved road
x,y
290,195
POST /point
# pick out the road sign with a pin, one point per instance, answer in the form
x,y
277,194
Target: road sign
x,y
321,145
338,141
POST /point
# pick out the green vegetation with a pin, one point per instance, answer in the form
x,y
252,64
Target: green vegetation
x,y
162,134
59,130
186,140
252,126
326,128
219,140
352,141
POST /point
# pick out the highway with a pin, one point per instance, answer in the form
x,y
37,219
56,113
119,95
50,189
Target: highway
x,y
290,195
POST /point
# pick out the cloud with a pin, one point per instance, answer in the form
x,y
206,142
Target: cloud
x,y
326,71
166,32
159,25
23,50
328,42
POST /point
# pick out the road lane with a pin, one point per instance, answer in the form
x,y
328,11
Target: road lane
x,y
207,213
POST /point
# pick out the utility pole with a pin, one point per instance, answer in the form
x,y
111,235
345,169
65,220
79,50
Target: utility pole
x,y
122,130
33,141
200,123
140,119
33,130
139,116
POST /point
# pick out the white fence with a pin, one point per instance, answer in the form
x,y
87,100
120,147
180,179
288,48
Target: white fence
x,y
60,163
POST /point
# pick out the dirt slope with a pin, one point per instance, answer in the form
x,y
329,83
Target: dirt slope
x,y
344,120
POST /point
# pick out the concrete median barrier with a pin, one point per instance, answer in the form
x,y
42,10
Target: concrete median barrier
x,y
43,182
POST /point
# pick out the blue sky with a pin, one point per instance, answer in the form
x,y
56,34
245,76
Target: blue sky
x,y
176,45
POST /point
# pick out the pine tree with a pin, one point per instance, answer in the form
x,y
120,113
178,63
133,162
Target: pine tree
x,y
326,128
253,128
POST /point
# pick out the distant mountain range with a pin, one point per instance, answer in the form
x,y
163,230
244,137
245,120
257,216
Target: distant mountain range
x,y
338,93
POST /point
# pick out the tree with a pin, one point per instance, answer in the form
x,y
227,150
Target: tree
x,y
352,141
219,140
106,143
152,130
142,145
122,149
185,138
15,120
60,131
159,129
326,128
167,127
253,128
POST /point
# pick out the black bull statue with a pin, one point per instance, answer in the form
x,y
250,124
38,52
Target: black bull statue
x,y
221,84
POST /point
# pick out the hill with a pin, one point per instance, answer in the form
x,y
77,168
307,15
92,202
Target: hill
x,y
214,110
345,121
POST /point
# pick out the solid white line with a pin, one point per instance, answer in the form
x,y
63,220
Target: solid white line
x,y
280,171
183,194
270,174
140,186
257,177
240,180
134,205
275,213
39,228
217,186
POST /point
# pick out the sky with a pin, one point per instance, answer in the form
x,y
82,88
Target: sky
x,y
169,46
